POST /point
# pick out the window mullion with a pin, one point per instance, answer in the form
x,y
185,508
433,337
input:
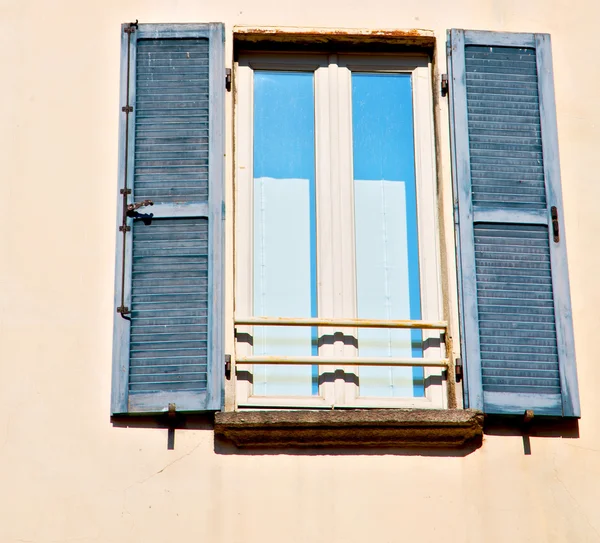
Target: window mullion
x,y
346,227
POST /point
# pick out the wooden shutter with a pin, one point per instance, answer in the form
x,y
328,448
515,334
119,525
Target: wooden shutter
x,y
168,346
517,337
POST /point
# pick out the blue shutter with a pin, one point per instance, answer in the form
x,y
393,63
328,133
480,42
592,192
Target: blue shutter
x,y
168,336
517,334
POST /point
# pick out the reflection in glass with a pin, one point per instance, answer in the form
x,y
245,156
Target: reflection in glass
x,y
387,259
284,228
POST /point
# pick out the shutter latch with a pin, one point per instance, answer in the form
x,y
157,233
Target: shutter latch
x,y
555,227
145,217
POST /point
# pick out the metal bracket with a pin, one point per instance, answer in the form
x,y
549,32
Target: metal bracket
x,y
444,85
125,191
127,109
228,366
125,228
172,412
123,310
228,79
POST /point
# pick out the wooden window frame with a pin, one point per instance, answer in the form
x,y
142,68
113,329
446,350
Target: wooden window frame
x,y
335,210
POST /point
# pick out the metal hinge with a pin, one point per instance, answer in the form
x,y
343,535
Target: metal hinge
x,y
125,228
228,79
228,366
458,369
127,109
131,27
444,85
123,310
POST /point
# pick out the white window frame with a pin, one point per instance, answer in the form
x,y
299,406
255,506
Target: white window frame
x,y
336,296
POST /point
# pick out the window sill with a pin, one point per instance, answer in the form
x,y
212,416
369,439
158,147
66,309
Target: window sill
x,y
430,428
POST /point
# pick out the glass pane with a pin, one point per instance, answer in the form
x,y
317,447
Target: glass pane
x,y
284,227
387,257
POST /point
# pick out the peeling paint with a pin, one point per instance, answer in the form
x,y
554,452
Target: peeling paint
x,y
252,35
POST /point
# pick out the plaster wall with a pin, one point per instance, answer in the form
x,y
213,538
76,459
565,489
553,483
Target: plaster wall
x,y
68,474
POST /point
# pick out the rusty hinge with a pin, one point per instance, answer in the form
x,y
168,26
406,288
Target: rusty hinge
x,y
124,228
127,109
458,369
131,27
228,366
123,310
125,191
444,85
228,79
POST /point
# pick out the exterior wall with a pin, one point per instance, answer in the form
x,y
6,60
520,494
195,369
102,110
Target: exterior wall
x,y
68,474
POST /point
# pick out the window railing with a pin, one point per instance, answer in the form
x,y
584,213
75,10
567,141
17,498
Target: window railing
x,y
446,362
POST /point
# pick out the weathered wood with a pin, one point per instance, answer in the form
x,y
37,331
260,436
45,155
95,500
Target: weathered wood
x,y
517,339
170,350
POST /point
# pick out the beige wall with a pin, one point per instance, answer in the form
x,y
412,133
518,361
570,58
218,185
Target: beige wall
x,y
66,474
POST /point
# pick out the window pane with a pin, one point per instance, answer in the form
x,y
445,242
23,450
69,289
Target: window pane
x,y
284,227
387,259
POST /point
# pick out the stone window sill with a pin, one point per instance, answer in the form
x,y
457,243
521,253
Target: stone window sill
x,y
427,428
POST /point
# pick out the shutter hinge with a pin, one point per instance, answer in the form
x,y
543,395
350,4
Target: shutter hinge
x,y
123,310
228,366
228,79
127,109
458,369
125,191
444,85
131,27
172,412
125,228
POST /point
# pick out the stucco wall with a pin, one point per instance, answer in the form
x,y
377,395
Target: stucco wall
x,y
67,474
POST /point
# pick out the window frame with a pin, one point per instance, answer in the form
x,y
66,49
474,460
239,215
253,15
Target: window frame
x,y
335,211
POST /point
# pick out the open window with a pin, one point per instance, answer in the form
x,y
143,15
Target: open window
x,y
336,219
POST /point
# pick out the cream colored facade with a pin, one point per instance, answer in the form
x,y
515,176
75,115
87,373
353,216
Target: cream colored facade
x,y
68,474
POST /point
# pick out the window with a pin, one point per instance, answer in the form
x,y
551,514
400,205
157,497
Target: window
x,y
335,217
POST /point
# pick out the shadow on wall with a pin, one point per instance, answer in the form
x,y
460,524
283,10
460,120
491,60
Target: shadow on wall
x,y
493,426
537,427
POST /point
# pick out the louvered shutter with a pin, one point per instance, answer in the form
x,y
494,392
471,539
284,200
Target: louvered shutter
x,y
168,326
517,337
